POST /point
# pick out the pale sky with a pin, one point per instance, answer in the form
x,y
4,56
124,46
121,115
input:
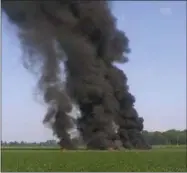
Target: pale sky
x,y
156,71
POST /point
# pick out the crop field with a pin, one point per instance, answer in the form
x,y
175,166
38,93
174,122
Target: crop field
x,y
54,160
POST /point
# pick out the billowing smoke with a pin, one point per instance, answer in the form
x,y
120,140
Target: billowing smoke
x,y
83,36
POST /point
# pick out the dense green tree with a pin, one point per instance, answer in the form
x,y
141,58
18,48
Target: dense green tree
x,y
171,137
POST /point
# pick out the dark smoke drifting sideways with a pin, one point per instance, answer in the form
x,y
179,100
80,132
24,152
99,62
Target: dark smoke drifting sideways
x,y
83,36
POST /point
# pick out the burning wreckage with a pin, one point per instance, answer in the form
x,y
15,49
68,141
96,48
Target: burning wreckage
x,y
83,36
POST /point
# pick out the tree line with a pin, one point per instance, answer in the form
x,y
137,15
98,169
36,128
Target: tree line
x,y
170,137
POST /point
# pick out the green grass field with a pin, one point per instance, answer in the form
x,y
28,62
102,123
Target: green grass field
x,y
35,159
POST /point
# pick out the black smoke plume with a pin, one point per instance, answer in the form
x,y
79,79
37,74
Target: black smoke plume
x,y
83,36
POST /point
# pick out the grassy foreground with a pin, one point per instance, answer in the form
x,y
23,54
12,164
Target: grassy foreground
x,y
49,160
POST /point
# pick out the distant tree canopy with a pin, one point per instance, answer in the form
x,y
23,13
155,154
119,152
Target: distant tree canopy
x,y
170,137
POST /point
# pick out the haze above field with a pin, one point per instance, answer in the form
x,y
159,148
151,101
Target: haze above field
x,y
156,71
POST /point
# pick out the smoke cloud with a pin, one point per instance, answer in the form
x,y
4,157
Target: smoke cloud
x,y
82,35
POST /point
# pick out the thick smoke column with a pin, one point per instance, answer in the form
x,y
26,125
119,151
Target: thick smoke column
x,y
83,35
